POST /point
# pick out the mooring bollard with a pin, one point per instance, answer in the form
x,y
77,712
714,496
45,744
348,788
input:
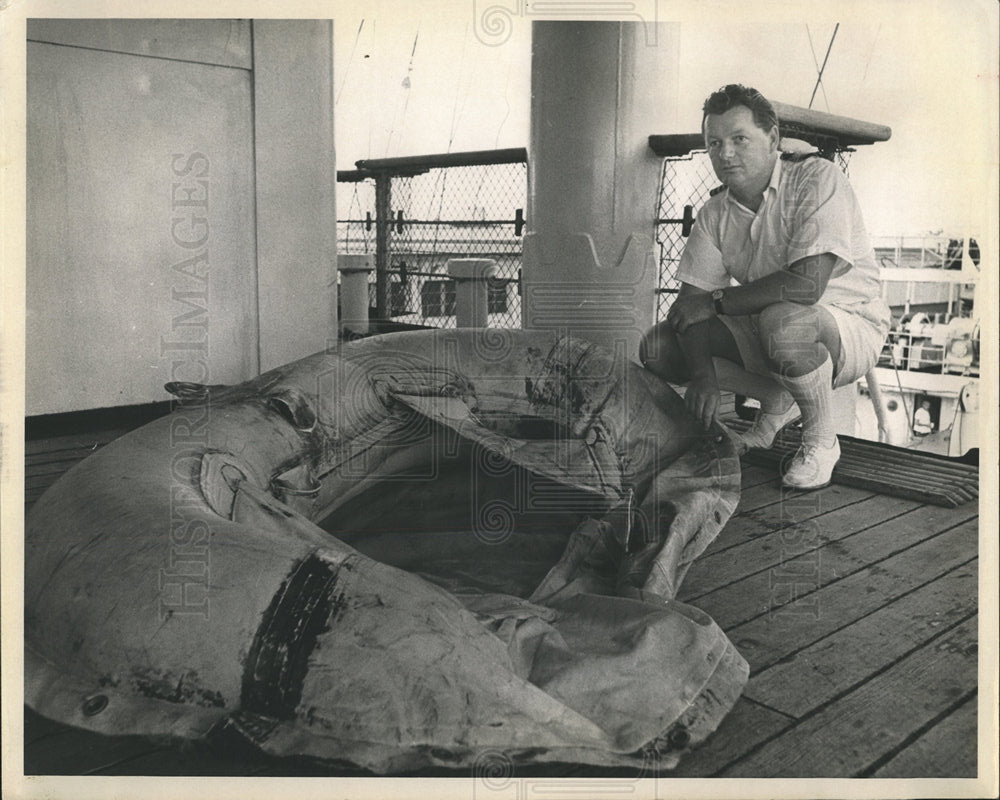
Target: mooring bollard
x,y
471,276
354,270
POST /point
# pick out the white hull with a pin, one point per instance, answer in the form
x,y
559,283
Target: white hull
x,y
956,418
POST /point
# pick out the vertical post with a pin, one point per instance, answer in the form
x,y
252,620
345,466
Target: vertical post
x,y
471,276
589,252
354,270
383,227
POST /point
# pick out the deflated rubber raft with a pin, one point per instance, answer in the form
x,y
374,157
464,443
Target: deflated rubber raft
x,y
408,552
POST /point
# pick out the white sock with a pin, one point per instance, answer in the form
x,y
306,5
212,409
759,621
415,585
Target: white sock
x,y
814,394
773,397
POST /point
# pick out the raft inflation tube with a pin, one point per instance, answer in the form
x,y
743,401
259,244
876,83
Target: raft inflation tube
x,y
403,553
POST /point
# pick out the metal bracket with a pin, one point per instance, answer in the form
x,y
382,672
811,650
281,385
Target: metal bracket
x,y
518,221
686,222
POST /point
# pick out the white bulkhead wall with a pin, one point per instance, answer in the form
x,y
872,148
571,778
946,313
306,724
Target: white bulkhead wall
x,y
180,203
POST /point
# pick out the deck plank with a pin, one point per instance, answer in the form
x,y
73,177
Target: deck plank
x,y
773,636
790,535
876,564
771,493
752,475
755,519
845,737
71,751
81,443
32,463
947,749
41,479
37,727
811,677
187,758
745,727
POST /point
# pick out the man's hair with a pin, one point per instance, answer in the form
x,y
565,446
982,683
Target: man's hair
x,y
735,94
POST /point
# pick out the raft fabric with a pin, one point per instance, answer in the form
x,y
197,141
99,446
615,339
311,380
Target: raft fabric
x,y
287,637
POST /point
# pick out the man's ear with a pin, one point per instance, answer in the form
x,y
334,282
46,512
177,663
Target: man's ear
x,y
775,138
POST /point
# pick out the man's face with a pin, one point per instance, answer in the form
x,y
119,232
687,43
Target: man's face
x,y
742,154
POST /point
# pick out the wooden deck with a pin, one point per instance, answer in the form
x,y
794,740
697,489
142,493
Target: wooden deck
x,y
856,611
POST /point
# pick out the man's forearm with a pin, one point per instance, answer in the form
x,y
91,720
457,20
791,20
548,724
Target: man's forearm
x,y
782,286
803,282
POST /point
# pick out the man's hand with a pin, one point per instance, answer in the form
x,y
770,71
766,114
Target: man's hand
x,y
690,309
702,399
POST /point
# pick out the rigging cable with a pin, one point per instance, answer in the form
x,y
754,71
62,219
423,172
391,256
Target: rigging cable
x,y
405,84
819,78
350,60
371,106
496,139
506,99
456,111
868,60
442,176
812,49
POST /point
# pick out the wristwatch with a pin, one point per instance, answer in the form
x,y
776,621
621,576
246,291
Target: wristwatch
x,y
717,300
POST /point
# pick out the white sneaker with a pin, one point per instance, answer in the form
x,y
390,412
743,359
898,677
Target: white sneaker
x,y
765,427
812,466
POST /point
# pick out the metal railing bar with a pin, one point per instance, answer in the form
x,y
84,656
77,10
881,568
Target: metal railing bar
x,y
469,158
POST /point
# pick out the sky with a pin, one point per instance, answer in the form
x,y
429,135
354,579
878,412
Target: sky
x,y
408,83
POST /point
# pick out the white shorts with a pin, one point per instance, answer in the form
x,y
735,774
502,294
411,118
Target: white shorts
x,y
860,344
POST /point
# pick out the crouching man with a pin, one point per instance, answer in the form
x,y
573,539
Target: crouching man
x,y
780,297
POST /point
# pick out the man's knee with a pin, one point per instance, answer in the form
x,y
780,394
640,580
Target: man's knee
x,y
661,354
786,330
785,320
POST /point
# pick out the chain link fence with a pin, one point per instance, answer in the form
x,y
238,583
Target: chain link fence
x,y
428,210
356,194
685,184
471,205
